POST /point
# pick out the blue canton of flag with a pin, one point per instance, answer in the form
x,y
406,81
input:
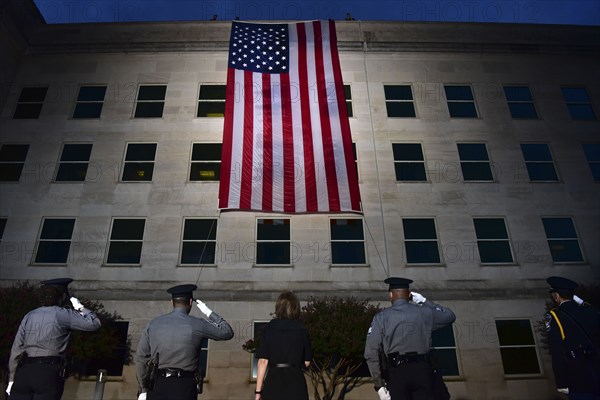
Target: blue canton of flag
x,y
260,48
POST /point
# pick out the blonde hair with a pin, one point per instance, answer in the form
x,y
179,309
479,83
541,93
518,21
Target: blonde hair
x,y
287,306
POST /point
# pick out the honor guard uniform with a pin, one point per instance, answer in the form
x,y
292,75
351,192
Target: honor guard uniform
x,y
574,338
167,355
36,364
400,336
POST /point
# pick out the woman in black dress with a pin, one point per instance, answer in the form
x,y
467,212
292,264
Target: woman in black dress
x,y
283,351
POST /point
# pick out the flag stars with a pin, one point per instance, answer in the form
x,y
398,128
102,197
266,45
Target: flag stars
x,y
262,47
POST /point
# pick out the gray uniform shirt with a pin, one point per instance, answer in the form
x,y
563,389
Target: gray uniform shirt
x,y
176,337
45,331
404,327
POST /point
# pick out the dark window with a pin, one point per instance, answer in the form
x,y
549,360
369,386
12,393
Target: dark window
x,y
12,160
492,240
273,241
2,226
420,241
347,241
54,241
73,164
578,103
125,242
475,162
30,102
89,102
443,351
517,347
211,101
139,162
111,362
206,162
256,331
562,240
203,358
409,162
520,102
399,101
348,96
199,241
150,101
592,155
538,160
460,101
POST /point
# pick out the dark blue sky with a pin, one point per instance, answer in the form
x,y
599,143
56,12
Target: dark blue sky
x,y
578,12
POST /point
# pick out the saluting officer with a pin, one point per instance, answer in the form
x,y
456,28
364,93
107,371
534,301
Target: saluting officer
x,y
36,363
404,330
574,338
174,339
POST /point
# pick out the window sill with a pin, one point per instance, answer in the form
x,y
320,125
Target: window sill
x,y
524,376
426,265
196,265
500,264
121,265
272,265
43,264
349,265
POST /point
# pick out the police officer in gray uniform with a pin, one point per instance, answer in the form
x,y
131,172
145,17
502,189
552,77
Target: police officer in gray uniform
x,y
174,340
404,331
36,363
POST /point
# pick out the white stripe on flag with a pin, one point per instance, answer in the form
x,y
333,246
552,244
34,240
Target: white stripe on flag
x,y
277,143
299,173
237,142
257,140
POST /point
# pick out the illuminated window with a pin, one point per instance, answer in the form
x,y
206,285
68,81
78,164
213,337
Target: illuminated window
x,y
211,101
139,162
206,162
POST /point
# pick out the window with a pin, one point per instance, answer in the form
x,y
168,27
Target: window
x,y
211,101
443,351
199,241
12,161
89,102
73,164
206,162
578,103
347,241
399,101
538,160
150,101
475,162
562,239
54,241
203,358
273,241
348,96
492,240
420,241
409,162
139,162
520,102
517,347
592,155
2,226
111,362
30,102
256,330
460,101
125,242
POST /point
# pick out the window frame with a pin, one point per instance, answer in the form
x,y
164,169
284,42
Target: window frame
x,y
453,101
454,348
488,162
521,346
518,102
273,241
3,223
348,99
22,163
528,162
216,161
39,241
392,101
214,227
153,162
254,359
332,241
564,238
138,101
422,162
110,241
591,163
82,102
506,240
580,103
215,101
60,163
417,240
25,103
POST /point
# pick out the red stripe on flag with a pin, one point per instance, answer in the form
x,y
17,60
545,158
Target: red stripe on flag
x,y
267,175
309,160
289,197
225,178
246,172
328,154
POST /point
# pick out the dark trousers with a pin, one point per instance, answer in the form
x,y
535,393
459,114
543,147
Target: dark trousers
x,y
173,389
37,382
411,381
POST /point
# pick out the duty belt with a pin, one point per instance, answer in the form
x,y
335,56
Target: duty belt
x,y
285,366
174,373
49,360
396,359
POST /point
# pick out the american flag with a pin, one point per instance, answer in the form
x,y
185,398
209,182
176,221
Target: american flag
x,y
286,140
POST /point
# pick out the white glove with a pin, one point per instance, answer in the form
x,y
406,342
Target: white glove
x,y
577,299
76,304
384,394
563,390
418,298
142,396
205,310
9,387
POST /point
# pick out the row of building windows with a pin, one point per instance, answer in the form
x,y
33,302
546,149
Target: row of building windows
x,y
205,162
399,101
274,245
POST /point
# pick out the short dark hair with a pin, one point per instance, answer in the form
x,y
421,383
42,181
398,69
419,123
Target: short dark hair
x,y
50,295
287,306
